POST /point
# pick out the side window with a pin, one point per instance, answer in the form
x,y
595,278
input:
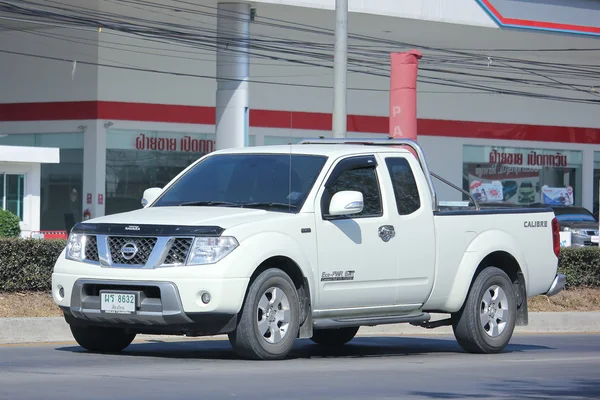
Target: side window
x,y
362,180
405,186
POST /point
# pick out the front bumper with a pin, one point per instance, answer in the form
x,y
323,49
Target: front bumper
x,y
159,309
557,285
164,306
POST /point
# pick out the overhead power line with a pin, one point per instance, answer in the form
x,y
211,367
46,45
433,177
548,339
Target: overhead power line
x,y
441,67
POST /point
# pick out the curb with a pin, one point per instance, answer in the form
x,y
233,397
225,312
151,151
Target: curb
x,y
46,330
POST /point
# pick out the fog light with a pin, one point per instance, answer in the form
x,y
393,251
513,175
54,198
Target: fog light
x,y
61,292
206,298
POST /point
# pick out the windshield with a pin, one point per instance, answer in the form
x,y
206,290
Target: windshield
x,y
575,214
246,180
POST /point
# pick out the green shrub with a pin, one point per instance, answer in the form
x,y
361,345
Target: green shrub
x,y
27,264
581,265
9,224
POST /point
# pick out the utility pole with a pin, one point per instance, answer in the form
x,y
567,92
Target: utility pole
x,y
340,59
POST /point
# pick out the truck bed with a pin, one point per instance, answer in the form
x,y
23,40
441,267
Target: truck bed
x,y
464,237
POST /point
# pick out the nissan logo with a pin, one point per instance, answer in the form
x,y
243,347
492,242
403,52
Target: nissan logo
x,y
129,250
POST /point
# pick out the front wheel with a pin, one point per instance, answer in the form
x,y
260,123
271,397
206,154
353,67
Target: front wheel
x,y
269,321
486,322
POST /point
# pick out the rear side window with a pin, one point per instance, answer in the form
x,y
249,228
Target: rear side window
x,y
405,185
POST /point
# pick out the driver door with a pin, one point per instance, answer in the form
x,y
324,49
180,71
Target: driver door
x,y
357,268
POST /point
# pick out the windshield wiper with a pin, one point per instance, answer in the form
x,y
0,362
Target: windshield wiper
x,y
210,203
269,204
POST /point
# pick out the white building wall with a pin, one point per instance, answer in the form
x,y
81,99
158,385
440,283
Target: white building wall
x,y
31,199
302,88
34,79
163,86
452,11
186,75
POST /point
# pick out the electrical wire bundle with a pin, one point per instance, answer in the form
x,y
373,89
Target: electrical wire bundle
x,y
194,37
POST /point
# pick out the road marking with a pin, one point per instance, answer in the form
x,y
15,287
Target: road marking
x,y
549,360
32,344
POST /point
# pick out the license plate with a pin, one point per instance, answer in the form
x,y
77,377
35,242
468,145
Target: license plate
x,y
117,303
595,239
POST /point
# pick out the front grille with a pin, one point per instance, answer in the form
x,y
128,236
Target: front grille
x,y
144,247
591,233
91,248
179,251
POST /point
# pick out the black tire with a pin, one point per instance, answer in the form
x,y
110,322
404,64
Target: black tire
x,y
248,340
102,339
468,323
334,337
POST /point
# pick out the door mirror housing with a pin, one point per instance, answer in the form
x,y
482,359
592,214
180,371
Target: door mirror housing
x,y
150,195
346,202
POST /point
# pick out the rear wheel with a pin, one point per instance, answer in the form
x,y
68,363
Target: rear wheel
x,y
486,322
102,339
269,321
334,337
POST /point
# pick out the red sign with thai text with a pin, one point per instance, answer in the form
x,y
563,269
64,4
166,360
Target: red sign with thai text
x,y
185,144
532,159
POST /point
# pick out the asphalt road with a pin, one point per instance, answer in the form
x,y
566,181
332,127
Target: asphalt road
x,y
432,367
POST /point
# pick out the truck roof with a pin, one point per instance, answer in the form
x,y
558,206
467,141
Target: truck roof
x,y
330,150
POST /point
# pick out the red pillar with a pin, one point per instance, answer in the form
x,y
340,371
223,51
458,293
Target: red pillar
x,y
403,94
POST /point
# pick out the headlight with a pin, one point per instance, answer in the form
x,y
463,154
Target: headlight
x,y
576,231
75,246
210,250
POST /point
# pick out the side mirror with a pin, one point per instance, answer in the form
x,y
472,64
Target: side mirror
x,y
346,203
150,195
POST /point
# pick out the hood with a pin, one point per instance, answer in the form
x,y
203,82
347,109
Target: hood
x,y
224,217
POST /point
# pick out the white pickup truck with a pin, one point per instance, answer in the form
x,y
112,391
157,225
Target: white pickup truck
x,y
314,240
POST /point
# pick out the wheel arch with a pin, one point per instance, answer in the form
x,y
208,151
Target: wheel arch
x,y
491,249
509,264
301,283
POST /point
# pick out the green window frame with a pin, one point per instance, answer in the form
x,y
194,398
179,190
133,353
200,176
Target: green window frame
x,y
12,193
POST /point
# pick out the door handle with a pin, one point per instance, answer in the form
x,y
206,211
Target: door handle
x,y
386,232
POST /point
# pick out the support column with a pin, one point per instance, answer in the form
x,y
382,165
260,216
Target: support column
x,y
587,179
233,71
403,94
94,169
340,60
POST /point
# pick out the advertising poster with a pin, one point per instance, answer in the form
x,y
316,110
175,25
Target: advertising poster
x,y
557,196
487,191
516,185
